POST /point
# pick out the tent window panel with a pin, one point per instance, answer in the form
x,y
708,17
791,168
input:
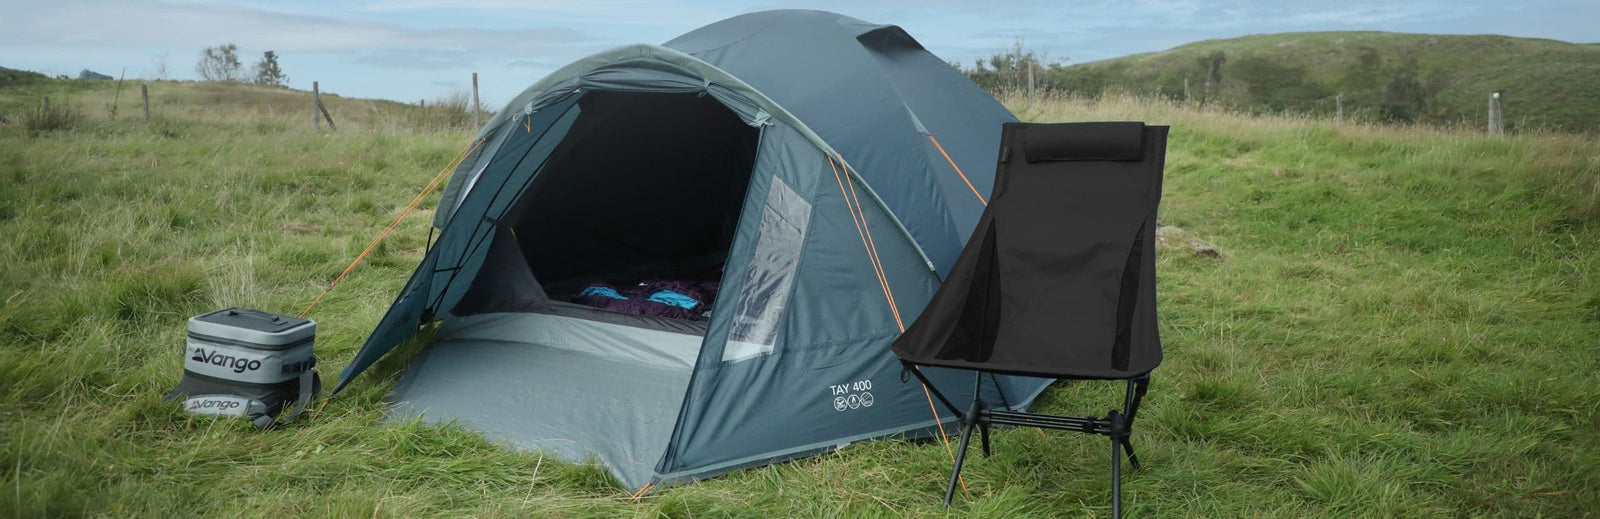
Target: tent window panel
x,y
763,292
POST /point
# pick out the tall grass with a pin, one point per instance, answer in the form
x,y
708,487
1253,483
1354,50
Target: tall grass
x,y
1404,325
50,118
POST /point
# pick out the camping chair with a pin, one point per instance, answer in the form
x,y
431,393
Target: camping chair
x,y
1058,280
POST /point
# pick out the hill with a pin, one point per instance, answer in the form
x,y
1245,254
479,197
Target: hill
x,y
1403,325
11,76
1441,79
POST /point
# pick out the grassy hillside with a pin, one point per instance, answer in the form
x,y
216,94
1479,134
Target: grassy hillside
x,y
11,76
1404,324
1383,76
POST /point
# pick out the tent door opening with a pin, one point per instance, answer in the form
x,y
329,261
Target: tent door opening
x,y
645,186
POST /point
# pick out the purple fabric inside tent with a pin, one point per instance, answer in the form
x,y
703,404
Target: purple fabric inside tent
x,y
669,298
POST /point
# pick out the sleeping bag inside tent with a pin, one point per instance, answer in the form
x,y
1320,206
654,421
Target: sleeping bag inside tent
x,y
687,259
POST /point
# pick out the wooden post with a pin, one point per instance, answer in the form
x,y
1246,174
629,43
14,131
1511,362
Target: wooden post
x,y
144,92
1030,83
325,115
324,109
1497,118
316,104
1338,107
47,104
477,110
1185,90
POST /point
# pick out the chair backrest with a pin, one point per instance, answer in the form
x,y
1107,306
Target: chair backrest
x,y
1058,279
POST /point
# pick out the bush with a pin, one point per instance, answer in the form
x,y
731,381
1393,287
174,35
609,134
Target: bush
x,y
449,111
49,119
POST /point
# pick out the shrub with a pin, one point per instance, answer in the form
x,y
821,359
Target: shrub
x,y
49,119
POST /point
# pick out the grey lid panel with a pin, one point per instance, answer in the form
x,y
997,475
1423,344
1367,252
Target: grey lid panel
x,y
252,326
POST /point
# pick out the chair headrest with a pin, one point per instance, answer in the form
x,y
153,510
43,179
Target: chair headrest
x,y
1115,141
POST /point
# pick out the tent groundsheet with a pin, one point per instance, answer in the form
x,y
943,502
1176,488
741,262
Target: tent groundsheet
x,y
575,387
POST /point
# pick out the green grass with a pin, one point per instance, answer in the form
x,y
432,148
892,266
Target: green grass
x,y
1547,83
1405,324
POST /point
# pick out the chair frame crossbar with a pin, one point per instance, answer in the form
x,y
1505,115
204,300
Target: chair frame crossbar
x,y
1118,425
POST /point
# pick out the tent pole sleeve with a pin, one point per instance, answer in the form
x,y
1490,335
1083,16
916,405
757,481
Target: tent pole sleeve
x,y
851,170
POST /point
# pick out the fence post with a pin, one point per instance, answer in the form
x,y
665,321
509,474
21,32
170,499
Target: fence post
x,y
1497,120
316,103
477,110
1338,106
144,92
47,104
1185,90
317,108
1030,83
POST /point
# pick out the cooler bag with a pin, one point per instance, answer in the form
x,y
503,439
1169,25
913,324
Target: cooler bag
x,y
249,363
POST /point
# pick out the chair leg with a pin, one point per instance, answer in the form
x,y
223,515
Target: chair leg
x,y
961,457
1130,408
1116,478
984,431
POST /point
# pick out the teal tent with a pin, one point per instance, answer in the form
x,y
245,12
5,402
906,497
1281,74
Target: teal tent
x,y
825,171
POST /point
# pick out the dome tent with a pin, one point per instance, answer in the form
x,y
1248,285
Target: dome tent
x,y
829,169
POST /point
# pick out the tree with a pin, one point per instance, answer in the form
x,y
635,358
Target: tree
x,y
1211,65
161,67
1009,68
267,71
220,63
1018,58
1406,97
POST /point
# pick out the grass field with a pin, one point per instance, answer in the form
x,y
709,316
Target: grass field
x,y
1404,323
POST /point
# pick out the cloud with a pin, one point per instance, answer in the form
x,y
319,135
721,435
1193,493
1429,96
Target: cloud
x,y
416,58
167,24
609,12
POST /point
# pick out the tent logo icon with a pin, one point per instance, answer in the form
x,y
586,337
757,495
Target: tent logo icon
x,y
839,403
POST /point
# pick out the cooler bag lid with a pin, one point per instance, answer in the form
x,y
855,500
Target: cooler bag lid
x,y
252,326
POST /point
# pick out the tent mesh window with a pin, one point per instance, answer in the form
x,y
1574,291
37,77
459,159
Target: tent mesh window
x,y
764,290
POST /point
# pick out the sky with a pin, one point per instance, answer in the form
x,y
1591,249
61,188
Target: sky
x,y
410,50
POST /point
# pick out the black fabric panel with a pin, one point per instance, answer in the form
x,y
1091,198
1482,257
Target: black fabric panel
x,y
973,338
887,38
644,185
1068,245
1089,141
1127,299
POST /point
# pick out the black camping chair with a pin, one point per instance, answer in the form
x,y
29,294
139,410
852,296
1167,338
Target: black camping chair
x,y
1057,281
